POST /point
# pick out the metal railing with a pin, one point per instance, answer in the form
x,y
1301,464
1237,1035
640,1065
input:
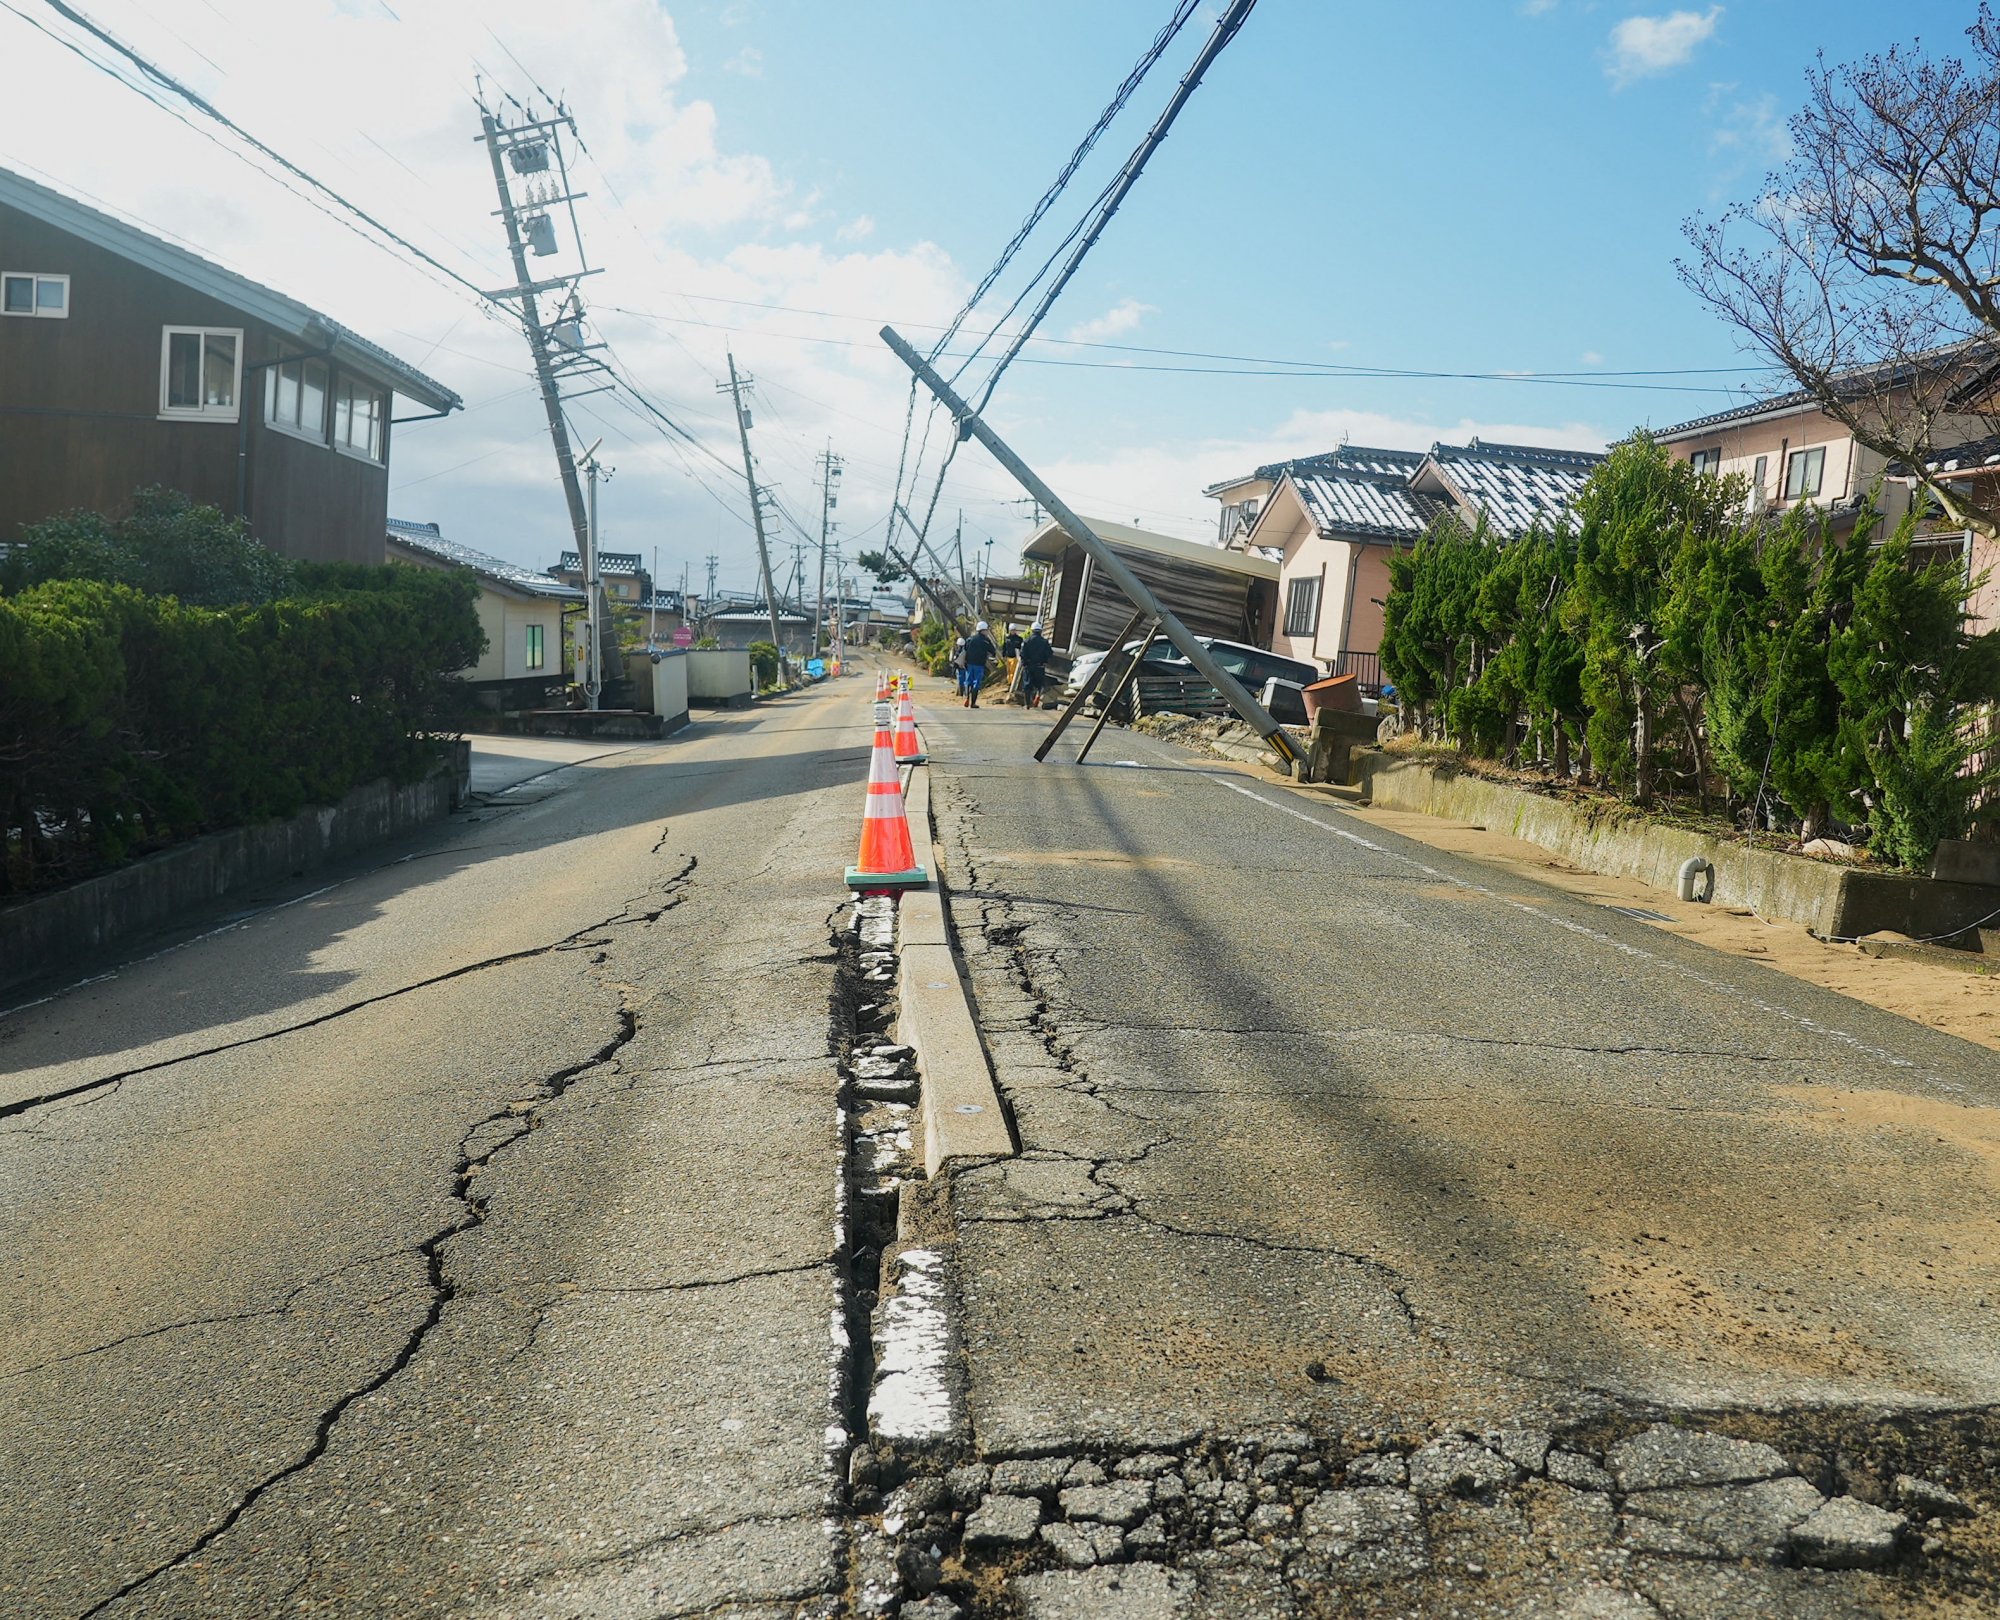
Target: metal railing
x,y
1366,668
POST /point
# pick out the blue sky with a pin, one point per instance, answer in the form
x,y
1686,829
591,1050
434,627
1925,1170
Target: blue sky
x,y
1443,187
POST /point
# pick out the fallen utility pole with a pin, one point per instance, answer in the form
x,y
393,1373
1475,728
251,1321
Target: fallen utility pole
x,y
972,425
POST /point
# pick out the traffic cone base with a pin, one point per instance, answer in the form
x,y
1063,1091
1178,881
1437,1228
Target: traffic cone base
x,y
915,878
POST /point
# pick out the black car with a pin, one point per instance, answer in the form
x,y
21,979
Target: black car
x,y
1164,666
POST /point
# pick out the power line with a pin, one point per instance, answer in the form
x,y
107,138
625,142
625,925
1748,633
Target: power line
x,y
1262,366
875,322
1105,119
168,82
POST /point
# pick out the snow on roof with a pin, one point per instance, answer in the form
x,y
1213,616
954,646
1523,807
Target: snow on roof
x,y
1343,458
1354,503
427,538
608,562
1512,486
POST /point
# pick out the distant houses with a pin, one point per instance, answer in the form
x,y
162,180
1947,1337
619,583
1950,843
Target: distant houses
x,y
521,611
127,361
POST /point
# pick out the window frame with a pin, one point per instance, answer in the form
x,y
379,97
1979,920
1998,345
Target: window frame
x,y
34,279
1706,462
1294,595
536,649
272,377
355,387
1799,458
200,413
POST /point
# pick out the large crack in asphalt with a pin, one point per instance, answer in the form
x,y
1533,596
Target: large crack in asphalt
x,y
472,1212
669,893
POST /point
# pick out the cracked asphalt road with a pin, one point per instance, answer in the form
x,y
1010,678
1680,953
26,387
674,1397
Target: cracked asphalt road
x,y
458,1238
1323,1126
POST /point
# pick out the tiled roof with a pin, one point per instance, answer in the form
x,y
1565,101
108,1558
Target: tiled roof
x,y
1858,380
608,562
1358,504
296,320
1512,486
1976,456
427,538
1344,458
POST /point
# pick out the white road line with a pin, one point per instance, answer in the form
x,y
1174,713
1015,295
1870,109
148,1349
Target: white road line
x,y
1720,986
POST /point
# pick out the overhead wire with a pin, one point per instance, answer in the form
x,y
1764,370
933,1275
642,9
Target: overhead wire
x,y
201,104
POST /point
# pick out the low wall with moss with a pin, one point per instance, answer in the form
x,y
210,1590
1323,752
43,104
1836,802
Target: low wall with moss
x,y
1837,902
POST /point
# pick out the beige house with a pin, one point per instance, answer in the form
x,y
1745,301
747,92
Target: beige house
x,y
1332,521
520,610
1239,500
1790,452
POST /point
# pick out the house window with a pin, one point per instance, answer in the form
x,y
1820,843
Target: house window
x,y
28,292
534,646
1302,606
201,369
1803,473
1706,461
295,399
357,419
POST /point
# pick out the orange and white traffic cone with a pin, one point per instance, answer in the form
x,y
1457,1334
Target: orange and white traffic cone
x,y
909,748
888,860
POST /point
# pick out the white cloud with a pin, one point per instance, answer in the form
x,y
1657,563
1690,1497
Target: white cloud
x,y
1538,8
698,237
749,62
1121,318
1590,357
1748,132
1644,46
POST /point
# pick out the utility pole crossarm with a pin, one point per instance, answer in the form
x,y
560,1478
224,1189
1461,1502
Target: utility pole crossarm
x,y
971,424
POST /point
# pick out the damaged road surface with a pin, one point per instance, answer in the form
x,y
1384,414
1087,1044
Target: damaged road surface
x,y
461,1238
1394,1238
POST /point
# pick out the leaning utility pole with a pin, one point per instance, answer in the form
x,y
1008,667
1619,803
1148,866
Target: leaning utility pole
x,y
829,475
734,389
556,346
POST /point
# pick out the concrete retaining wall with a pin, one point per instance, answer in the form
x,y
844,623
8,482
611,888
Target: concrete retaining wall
x,y
660,686
1835,901
616,723
54,931
720,675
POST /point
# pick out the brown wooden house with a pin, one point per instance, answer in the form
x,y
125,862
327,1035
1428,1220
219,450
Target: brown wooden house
x,y
126,361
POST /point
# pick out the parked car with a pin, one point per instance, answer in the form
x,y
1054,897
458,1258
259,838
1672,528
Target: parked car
x,y
1253,666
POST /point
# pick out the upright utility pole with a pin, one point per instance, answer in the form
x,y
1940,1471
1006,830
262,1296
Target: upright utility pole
x,y
829,475
735,390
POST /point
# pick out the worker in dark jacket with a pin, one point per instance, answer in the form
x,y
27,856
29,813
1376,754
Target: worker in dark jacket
x,y
1035,655
979,652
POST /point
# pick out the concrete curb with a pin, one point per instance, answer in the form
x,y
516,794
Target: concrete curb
x,y
960,1105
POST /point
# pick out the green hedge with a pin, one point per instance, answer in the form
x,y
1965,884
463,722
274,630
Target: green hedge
x,y
129,721
1791,671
